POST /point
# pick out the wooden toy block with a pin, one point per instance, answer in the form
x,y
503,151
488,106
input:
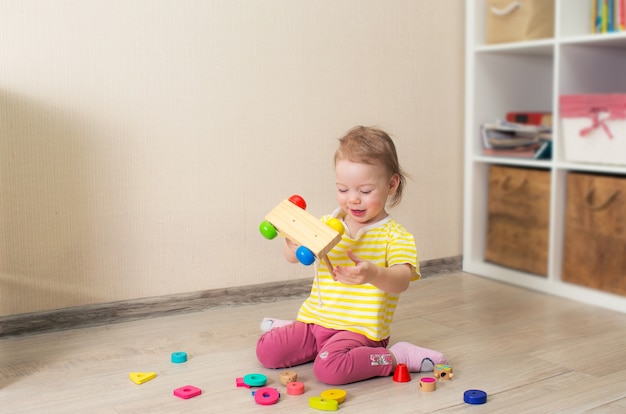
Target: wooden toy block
x,y
428,384
302,227
443,372
141,377
305,229
288,376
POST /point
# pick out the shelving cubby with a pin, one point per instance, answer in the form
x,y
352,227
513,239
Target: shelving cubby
x,y
531,76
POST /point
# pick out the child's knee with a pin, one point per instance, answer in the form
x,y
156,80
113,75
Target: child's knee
x,y
326,371
266,353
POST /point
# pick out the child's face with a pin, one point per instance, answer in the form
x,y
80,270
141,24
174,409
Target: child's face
x,y
362,191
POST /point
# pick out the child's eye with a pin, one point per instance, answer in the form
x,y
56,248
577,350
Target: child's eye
x,y
342,190
366,191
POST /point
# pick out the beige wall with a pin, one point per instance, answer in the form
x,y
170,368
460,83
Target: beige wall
x,y
142,142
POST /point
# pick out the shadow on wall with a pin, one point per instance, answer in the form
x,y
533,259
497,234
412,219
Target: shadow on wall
x,y
47,179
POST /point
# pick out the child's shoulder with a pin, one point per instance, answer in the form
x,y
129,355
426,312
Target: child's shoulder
x,y
387,228
394,227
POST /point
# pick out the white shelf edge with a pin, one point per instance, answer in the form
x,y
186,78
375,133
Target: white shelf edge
x,y
598,168
546,45
542,46
524,162
549,164
594,39
547,285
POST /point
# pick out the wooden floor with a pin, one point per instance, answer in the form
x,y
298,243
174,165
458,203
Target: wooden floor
x,y
530,353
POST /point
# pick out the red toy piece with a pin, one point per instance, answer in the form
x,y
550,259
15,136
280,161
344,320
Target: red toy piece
x,y
401,374
188,391
266,396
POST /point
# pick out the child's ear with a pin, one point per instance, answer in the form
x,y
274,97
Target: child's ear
x,y
394,182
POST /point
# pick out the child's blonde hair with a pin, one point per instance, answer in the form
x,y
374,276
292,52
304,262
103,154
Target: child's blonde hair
x,y
369,145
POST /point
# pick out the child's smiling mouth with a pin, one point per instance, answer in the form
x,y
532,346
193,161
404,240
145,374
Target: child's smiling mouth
x,y
358,213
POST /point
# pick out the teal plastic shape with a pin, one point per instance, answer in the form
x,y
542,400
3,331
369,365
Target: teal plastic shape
x,y
255,380
179,357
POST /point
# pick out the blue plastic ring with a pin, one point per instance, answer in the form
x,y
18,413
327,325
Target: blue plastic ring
x,y
475,397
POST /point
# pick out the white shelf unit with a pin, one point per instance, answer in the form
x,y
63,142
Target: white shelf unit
x,y
530,76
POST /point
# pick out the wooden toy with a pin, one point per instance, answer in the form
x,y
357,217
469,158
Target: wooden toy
x,y
295,388
334,394
266,396
141,377
428,384
315,238
288,376
179,357
475,397
443,372
323,404
188,391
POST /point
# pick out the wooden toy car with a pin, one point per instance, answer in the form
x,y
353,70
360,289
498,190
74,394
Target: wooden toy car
x,y
315,238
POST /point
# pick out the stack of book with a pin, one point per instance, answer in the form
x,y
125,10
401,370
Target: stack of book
x,y
608,16
509,139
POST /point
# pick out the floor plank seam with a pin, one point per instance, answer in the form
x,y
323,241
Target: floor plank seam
x,y
534,383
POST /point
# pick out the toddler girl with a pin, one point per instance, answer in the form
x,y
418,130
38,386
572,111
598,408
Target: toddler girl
x,y
344,324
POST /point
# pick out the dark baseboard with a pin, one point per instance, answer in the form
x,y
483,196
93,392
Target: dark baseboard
x,y
129,310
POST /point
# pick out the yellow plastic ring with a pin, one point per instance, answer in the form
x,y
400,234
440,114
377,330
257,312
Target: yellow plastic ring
x,y
334,394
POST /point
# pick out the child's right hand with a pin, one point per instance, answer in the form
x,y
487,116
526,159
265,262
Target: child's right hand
x,y
289,250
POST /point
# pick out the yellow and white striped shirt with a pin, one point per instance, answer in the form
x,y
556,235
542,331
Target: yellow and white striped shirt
x,y
363,309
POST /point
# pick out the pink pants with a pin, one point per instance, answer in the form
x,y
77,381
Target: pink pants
x,y
340,357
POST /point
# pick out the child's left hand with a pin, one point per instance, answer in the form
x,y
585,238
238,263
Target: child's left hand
x,y
362,272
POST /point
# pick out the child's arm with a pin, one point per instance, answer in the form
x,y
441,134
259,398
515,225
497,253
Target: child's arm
x,y
289,250
394,279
